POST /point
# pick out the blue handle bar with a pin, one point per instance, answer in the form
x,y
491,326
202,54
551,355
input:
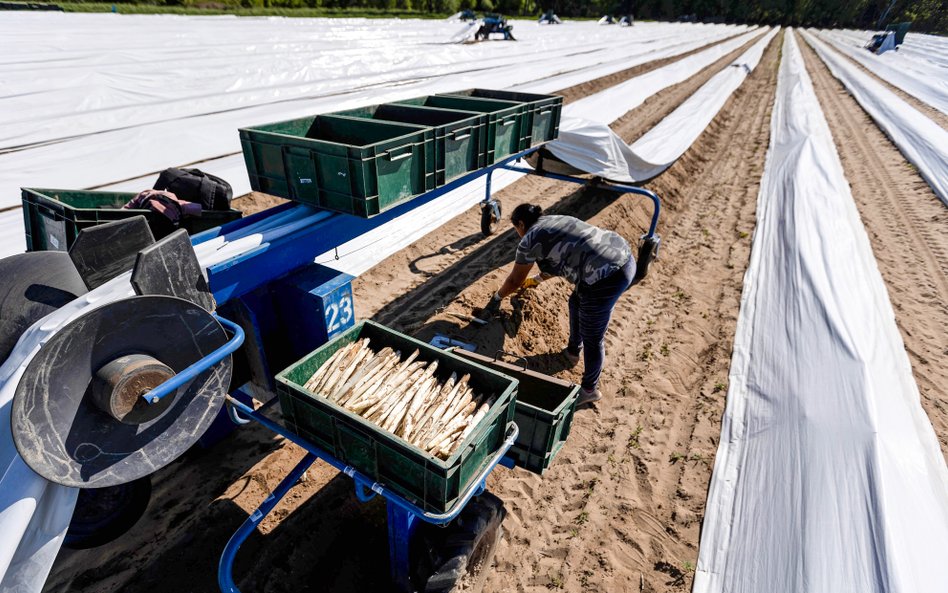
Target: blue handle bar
x,y
188,374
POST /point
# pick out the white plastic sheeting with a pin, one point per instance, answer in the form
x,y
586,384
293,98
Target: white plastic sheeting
x,y
828,475
922,141
541,79
927,83
365,251
912,49
593,147
93,87
631,93
35,512
88,102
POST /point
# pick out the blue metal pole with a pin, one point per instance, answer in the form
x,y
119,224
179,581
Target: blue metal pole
x,y
607,186
188,374
225,568
401,527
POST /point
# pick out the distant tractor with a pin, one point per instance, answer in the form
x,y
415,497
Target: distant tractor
x,y
891,38
494,24
550,18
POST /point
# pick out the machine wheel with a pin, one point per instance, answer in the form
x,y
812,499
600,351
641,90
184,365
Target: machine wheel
x,y
33,285
458,557
490,216
104,514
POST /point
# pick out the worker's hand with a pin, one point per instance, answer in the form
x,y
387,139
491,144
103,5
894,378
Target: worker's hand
x,y
492,308
531,282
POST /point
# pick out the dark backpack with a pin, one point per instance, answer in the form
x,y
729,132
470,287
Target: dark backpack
x,y
194,185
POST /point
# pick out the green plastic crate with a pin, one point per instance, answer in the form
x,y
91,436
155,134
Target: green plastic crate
x,y
506,120
460,136
429,482
53,217
543,112
544,412
352,165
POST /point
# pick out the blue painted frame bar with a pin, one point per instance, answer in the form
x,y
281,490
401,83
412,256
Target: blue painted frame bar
x,y
195,369
403,515
616,187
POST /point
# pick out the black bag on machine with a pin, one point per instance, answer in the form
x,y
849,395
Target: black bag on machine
x,y
194,185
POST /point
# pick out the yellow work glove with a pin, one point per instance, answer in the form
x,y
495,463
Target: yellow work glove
x,y
531,282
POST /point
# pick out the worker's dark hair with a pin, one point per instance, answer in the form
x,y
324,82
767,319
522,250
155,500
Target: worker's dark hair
x,y
527,214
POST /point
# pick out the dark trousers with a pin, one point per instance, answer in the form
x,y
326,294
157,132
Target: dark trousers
x,y
590,308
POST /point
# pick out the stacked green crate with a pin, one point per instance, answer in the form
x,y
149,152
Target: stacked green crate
x,y
365,161
505,120
340,163
542,113
460,136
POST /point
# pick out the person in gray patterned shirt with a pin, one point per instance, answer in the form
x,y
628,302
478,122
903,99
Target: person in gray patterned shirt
x,y
597,261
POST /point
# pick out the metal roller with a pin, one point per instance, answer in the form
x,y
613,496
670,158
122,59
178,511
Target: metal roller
x,y
78,417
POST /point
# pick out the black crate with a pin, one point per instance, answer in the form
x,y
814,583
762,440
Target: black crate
x,y
53,217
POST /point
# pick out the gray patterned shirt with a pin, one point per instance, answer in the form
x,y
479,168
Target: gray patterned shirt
x,y
568,247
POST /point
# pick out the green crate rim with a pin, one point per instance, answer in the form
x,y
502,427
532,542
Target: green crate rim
x,y
445,464
261,130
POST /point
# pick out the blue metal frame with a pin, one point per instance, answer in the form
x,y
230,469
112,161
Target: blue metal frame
x,y
192,371
403,516
616,187
286,250
322,231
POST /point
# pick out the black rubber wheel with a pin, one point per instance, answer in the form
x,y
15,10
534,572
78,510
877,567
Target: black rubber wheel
x,y
458,557
104,514
33,285
488,219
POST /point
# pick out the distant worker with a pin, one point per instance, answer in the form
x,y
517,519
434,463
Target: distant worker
x,y
598,262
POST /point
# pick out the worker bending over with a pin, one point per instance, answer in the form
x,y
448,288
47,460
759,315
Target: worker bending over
x,y
597,261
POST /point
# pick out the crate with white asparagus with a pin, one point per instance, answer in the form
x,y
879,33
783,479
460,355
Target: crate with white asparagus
x,y
415,418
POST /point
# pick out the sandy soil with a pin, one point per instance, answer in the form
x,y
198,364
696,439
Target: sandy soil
x,y
256,202
906,224
621,508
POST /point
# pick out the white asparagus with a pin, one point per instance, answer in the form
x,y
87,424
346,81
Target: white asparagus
x,y
420,394
327,367
433,415
367,364
426,393
398,413
342,365
442,417
478,416
381,402
402,396
398,392
451,426
372,381
350,371
431,408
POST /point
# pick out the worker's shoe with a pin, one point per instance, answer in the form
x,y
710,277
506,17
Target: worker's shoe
x,y
588,396
572,357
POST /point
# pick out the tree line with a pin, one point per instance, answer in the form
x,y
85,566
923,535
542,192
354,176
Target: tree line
x,y
925,15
